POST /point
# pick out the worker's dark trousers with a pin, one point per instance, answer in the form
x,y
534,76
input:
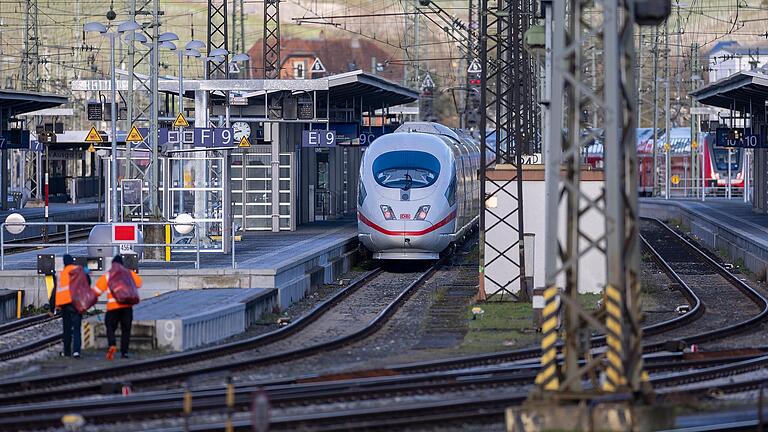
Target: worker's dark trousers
x,y
71,320
124,317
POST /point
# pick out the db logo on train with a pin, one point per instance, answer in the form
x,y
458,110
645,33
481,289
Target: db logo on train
x,y
675,179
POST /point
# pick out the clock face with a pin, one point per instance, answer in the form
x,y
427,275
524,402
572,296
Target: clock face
x,y
241,129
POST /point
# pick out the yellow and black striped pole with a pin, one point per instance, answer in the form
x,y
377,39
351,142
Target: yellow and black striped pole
x,y
548,378
614,369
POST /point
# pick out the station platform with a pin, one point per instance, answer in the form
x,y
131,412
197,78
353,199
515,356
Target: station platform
x,y
729,226
289,261
185,319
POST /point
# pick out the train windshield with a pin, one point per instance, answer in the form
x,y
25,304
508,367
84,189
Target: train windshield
x,y
406,169
721,159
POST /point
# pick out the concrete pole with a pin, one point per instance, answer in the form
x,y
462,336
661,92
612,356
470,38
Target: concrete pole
x,y
114,209
640,78
654,173
154,184
667,118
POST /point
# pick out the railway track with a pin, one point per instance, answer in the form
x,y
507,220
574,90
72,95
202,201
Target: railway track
x,y
180,366
303,391
15,336
23,323
422,378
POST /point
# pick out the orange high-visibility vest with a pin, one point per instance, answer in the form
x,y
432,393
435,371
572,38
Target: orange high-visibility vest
x,y
63,296
103,285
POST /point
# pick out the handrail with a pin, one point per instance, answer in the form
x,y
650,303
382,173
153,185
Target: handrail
x,y
4,244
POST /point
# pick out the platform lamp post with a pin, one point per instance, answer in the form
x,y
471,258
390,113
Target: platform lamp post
x,y
242,57
97,27
191,49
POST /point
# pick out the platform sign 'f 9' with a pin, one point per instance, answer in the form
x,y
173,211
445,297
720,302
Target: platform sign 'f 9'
x,y
214,137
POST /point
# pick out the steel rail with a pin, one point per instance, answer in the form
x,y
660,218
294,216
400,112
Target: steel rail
x,y
23,323
191,356
301,390
30,347
41,391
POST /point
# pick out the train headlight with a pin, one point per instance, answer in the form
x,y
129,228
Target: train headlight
x,y
387,212
422,213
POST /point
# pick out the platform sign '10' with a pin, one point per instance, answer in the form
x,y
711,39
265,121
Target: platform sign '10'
x,y
743,138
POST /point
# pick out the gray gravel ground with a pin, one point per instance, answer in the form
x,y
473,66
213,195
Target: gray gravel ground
x,y
28,334
659,295
757,336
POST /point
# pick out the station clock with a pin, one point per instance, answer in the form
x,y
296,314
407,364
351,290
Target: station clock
x,y
241,129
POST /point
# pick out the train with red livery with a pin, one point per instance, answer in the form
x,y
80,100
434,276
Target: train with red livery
x,y
716,161
419,191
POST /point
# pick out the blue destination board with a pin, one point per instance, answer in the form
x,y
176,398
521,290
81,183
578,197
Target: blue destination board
x,y
743,138
199,137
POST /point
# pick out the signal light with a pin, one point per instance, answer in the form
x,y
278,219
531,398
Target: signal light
x,y
422,213
474,82
387,212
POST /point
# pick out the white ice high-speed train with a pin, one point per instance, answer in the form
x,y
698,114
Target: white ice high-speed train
x,y
419,191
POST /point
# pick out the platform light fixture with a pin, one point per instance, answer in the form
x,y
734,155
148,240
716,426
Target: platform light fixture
x,y
124,27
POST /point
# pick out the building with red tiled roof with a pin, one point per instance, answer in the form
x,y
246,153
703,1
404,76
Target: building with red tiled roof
x,y
336,55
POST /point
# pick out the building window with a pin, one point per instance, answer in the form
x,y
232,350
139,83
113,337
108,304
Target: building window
x,y
299,70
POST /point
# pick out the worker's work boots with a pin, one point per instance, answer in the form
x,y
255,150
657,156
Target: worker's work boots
x,y
111,352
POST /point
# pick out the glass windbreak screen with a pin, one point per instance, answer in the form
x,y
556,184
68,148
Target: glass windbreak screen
x,y
721,159
406,169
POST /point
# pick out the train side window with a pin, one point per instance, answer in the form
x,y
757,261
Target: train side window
x,y
450,193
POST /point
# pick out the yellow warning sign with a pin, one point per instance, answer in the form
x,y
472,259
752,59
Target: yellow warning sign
x,y
134,135
244,142
694,145
666,147
93,135
180,121
91,149
675,179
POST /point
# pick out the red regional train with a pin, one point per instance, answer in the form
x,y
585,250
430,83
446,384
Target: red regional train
x,y
715,161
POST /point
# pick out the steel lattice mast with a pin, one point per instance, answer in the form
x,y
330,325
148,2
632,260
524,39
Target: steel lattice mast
x,y
508,113
217,38
30,62
609,26
271,39
141,97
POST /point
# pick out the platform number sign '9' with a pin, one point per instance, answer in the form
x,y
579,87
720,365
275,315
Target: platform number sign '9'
x,y
366,138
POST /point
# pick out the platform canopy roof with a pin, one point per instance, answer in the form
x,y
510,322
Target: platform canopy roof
x,y
16,102
374,91
745,91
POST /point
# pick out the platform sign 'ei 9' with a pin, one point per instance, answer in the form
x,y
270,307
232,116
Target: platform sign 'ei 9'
x,y
318,138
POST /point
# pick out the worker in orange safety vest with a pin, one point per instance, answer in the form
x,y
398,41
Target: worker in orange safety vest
x,y
117,313
61,299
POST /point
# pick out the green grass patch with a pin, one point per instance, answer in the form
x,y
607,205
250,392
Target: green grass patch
x,y
507,325
503,326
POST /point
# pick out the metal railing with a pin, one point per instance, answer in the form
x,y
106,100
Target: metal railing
x,y
67,244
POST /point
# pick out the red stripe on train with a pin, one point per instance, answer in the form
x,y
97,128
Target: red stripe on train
x,y
382,230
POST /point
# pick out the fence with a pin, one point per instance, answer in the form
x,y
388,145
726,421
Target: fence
x,y
68,244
